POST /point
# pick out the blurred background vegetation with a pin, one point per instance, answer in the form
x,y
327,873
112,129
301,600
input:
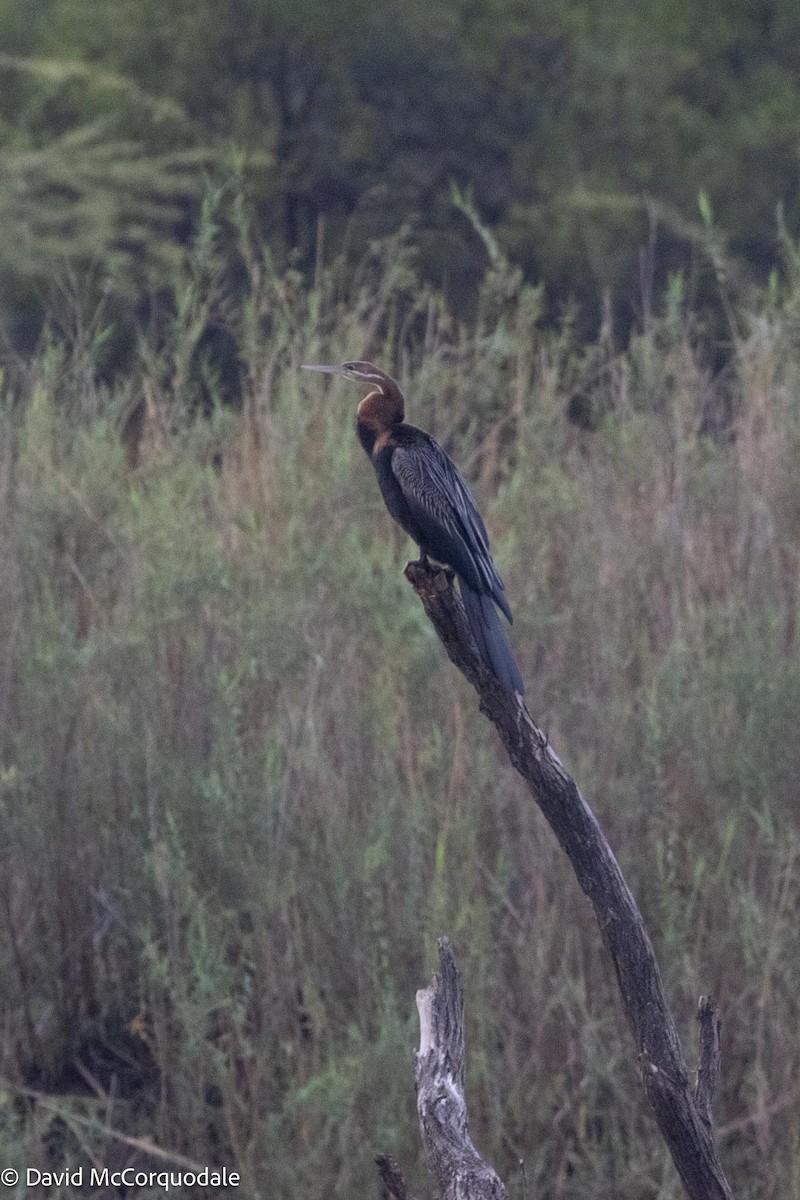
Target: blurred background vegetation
x,y
583,127
241,790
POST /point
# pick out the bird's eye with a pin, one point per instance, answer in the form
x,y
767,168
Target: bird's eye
x,y
350,366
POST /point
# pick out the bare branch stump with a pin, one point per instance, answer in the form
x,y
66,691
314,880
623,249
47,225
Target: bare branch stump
x,y
459,1171
683,1114
708,1067
391,1177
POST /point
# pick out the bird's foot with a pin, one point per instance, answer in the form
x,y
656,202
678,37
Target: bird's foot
x,y
428,575
431,564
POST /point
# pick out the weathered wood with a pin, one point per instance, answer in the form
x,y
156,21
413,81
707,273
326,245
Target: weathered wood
x,y
459,1171
708,1066
683,1114
391,1177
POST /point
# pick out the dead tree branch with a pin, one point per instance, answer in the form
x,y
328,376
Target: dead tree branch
x,y
459,1171
683,1114
391,1177
708,1065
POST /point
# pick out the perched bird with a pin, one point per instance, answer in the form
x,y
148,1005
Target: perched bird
x,y
427,496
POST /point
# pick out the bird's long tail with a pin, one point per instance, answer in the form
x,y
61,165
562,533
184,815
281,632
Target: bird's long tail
x,y
484,621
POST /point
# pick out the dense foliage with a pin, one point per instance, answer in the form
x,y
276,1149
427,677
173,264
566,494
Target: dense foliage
x,y
242,791
582,127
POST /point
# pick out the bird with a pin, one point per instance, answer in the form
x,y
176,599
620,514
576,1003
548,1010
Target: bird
x,y
426,494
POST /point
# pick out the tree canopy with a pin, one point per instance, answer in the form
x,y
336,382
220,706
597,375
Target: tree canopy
x,y
575,124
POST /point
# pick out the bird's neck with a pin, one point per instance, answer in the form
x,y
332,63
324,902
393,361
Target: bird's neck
x,y
378,414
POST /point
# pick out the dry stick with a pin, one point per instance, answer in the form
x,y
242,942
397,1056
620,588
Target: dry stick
x,y
708,1067
392,1177
459,1171
55,1105
683,1114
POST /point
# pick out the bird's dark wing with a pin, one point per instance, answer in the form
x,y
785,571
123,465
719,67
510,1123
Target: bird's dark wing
x,y
444,510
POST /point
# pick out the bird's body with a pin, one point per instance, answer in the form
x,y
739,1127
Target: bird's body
x,y
425,493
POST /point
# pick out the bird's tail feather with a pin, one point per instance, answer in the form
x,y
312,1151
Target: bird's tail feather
x,y
484,622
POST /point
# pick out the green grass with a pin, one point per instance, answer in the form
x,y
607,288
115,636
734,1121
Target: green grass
x,y
242,790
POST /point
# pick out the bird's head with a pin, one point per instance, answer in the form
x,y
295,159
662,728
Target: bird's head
x,y
384,406
359,372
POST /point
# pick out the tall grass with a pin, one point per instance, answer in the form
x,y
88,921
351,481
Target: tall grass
x,y
242,791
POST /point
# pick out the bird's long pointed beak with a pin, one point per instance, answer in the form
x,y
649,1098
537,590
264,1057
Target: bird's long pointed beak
x,y
325,370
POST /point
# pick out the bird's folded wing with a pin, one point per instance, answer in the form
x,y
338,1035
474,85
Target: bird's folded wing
x,y
435,490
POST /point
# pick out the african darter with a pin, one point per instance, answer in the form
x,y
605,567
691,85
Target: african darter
x,y
427,496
